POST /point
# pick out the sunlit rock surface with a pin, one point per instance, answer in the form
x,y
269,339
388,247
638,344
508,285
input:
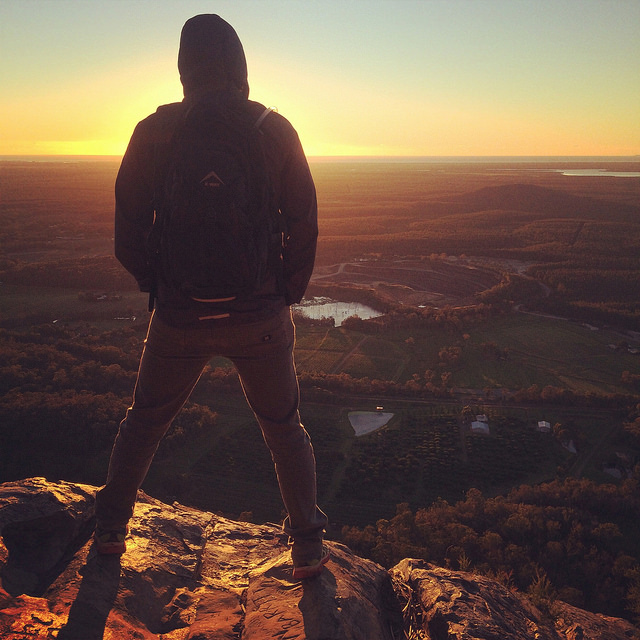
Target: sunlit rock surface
x,y
192,575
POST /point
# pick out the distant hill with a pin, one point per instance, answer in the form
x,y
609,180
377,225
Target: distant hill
x,y
536,199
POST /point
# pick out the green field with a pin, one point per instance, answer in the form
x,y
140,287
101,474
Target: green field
x,y
23,306
547,351
538,350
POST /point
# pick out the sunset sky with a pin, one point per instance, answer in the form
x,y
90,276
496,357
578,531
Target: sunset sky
x,y
355,77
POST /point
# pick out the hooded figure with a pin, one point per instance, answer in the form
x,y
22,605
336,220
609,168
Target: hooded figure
x,y
213,67
211,57
254,331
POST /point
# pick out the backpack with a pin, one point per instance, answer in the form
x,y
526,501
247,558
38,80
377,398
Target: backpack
x,y
215,233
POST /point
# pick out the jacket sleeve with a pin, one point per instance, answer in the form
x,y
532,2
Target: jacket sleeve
x,y
298,206
134,208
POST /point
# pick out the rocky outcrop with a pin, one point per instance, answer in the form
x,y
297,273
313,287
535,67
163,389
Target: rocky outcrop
x,y
461,606
192,575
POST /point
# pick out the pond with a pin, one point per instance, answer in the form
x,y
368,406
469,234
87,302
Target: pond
x,y
318,308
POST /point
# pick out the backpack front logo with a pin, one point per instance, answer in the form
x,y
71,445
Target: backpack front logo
x,y
212,180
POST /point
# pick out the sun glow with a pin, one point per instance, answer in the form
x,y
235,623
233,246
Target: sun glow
x,y
80,148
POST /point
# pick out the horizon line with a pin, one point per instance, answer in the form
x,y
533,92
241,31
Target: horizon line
x,y
354,158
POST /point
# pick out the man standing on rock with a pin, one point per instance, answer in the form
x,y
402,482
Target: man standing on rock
x,y
232,162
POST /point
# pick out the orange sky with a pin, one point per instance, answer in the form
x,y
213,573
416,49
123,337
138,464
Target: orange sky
x,y
386,77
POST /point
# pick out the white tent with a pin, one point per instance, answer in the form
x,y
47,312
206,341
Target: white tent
x,y
364,422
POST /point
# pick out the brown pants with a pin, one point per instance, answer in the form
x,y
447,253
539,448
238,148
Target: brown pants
x,y
172,362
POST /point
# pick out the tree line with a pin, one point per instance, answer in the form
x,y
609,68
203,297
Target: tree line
x,y
569,539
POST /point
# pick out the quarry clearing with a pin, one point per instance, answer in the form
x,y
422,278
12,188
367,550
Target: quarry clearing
x,y
418,282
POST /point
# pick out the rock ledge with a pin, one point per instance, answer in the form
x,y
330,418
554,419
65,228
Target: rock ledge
x,y
193,575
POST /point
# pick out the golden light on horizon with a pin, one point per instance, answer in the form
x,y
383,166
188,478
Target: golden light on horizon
x,y
82,148
522,81
94,116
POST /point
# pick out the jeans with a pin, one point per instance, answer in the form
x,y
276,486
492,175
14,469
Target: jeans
x,y
172,361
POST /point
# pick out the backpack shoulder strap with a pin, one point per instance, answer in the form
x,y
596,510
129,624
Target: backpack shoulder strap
x,y
262,117
170,119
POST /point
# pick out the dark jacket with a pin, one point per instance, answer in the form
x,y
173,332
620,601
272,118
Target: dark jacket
x,y
212,66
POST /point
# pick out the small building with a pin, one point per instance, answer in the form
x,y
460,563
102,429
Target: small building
x,y
480,426
612,470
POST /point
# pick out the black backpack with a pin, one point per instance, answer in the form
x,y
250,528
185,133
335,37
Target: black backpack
x,y
215,234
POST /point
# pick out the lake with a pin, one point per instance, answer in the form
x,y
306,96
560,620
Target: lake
x,y
597,173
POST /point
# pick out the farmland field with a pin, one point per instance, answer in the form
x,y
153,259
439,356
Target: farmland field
x,y
538,350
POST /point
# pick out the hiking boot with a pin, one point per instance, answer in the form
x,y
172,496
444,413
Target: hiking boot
x,y
311,568
110,541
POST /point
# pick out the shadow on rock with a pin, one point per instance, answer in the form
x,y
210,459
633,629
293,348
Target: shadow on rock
x,y
320,607
96,596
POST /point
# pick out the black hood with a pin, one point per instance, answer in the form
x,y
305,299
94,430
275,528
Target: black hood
x,y
211,57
